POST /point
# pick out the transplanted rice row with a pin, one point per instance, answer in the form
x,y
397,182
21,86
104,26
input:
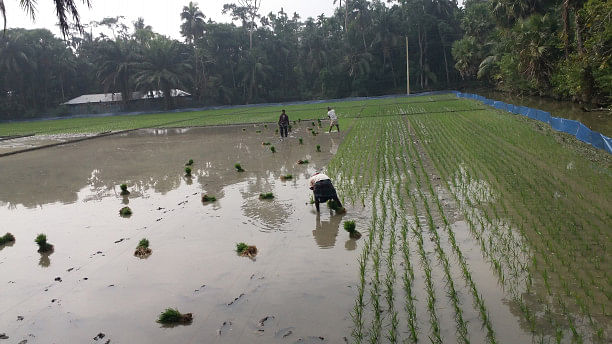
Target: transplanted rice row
x,y
529,217
544,219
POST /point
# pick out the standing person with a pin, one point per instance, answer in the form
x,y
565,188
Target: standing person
x,y
324,190
333,119
283,123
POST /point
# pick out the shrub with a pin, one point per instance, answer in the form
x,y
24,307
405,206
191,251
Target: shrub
x,y
173,316
207,198
267,195
124,189
43,245
238,168
125,211
187,171
6,238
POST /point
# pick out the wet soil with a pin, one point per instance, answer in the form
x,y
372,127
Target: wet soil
x,y
303,282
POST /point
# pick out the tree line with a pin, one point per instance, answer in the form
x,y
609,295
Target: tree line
x,y
558,48
561,49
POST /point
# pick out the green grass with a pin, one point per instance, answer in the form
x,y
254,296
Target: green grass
x,y
218,117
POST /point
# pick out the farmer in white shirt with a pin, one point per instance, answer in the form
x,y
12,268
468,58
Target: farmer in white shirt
x,y
323,190
333,119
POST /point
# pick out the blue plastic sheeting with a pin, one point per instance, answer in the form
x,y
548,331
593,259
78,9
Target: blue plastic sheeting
x,y
579,130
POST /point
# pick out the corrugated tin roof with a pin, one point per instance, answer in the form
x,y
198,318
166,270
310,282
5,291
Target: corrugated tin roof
x,y
116,97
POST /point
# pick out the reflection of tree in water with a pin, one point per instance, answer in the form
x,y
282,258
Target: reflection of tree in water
x,y
8,244
326,231
146,160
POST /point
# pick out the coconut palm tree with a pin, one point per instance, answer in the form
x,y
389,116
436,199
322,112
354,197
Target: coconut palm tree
x,y
163,67
192,29
63,8
116,61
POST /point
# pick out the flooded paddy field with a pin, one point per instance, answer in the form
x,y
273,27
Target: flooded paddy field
x,y
478,227
300,285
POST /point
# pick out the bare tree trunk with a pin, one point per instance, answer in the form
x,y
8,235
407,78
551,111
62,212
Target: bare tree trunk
x,y
578,33
565,33
420,56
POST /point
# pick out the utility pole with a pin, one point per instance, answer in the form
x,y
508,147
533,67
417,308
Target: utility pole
x,y
407,69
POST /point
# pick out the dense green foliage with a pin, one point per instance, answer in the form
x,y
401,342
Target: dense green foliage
x,y
360,50
561,48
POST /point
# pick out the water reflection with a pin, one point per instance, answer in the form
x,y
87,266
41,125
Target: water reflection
x,y
44,260
326,231
150,160
8,244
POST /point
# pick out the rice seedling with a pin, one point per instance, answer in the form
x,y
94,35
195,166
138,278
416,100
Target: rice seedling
x,y
265,143
266,126
301,141
189,163
302,162
267,195
245,250
142,249
187,171
243,129
273,149
43,245
208,198
124,189
349,226
7,238
125,212
313,124
314,133
318,148
258,131
172,316
286,177
238,167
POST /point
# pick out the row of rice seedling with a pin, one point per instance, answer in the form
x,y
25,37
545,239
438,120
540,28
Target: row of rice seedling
x,y
454,134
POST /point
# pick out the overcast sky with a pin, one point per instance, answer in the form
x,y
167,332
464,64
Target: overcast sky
x,y
162,15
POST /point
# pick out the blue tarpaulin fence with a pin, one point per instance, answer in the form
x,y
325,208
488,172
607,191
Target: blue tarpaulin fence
x,y
575,128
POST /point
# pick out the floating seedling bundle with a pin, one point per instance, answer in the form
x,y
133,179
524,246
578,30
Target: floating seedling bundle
x,y
301,141
124,189
245,250
125,211
7,238
302,162
238,168
172,316
143,250
187,171
273,149
286,177
267,195
318,148
208,198
43,245
189,163
265,143
350,226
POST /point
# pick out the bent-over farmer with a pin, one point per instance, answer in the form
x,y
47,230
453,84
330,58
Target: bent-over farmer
x,y
283,123
323,190
333,119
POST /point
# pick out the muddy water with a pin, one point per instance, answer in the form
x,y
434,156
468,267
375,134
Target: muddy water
x,y
303,279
